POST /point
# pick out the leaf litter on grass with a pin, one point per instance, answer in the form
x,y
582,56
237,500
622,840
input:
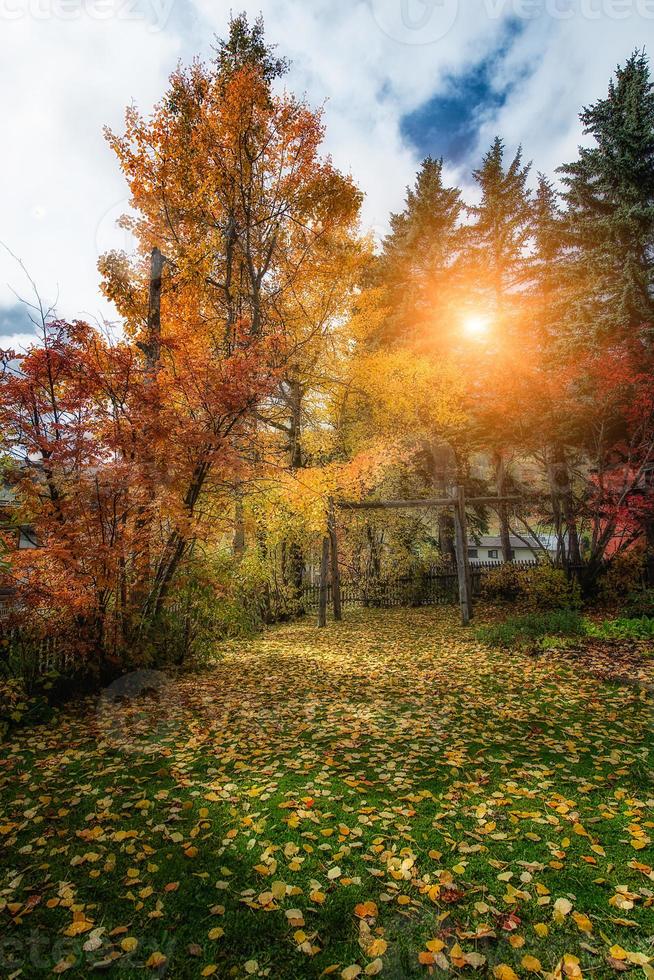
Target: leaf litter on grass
x,y
387,796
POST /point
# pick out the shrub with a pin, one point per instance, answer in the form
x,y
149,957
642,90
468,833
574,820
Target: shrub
x,y
640,605
623,576
544,586
548,587
519,630
623,629
506,583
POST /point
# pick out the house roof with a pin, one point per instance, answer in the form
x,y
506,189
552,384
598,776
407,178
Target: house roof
x,y
492,541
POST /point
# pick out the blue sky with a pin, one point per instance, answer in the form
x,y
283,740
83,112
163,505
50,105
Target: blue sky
x,y
399,79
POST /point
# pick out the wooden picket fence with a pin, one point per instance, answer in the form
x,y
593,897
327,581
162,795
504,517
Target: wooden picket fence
x,y
436,587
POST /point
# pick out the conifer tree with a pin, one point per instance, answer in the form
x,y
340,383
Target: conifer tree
x,y
609,191
417,267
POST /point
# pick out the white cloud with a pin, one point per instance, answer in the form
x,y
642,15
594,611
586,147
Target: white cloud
x,y
17,341
60,82
563,65
63,78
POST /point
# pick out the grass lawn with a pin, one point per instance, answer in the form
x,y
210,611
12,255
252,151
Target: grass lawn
x,y
385,796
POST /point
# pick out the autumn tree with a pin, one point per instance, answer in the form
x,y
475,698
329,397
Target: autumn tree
x,y
126,452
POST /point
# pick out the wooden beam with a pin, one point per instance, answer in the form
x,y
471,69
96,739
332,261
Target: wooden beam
x,y
394,504
425,503
324,571
491,501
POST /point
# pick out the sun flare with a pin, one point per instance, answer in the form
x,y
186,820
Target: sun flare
x,y
476,325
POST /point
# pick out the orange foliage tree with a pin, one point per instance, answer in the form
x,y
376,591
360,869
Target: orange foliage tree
x,y
128,449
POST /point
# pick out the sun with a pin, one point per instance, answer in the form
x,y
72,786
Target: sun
x,y
476,325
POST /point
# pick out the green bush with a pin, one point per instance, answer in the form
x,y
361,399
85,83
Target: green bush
x,y
548,587
506,583
622,629
543,586
624,575
640,605
520,630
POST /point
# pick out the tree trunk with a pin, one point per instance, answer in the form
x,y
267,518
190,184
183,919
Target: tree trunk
x,y
294,573
324,572
649,530
562,490
503,510
440,459
239,525
335,571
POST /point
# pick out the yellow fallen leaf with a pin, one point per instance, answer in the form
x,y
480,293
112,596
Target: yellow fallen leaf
x,y
156,960
571,966
78,927
504,972
562,907
67,963
209,970
129,944
582,922
216,933
350,972
532,964
365,909
377,947
374,968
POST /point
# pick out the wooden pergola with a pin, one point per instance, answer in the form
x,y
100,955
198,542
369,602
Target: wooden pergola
x,y
457,501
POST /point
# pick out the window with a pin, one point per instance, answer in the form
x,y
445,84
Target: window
x,y
27,538
473,553
493,553
511,554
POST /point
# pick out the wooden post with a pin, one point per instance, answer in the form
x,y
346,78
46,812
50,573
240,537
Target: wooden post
x,y
324,571
336,575
462,561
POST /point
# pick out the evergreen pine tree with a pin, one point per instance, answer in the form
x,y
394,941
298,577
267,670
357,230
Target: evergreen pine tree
x,y
498,238
417,267
609,191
